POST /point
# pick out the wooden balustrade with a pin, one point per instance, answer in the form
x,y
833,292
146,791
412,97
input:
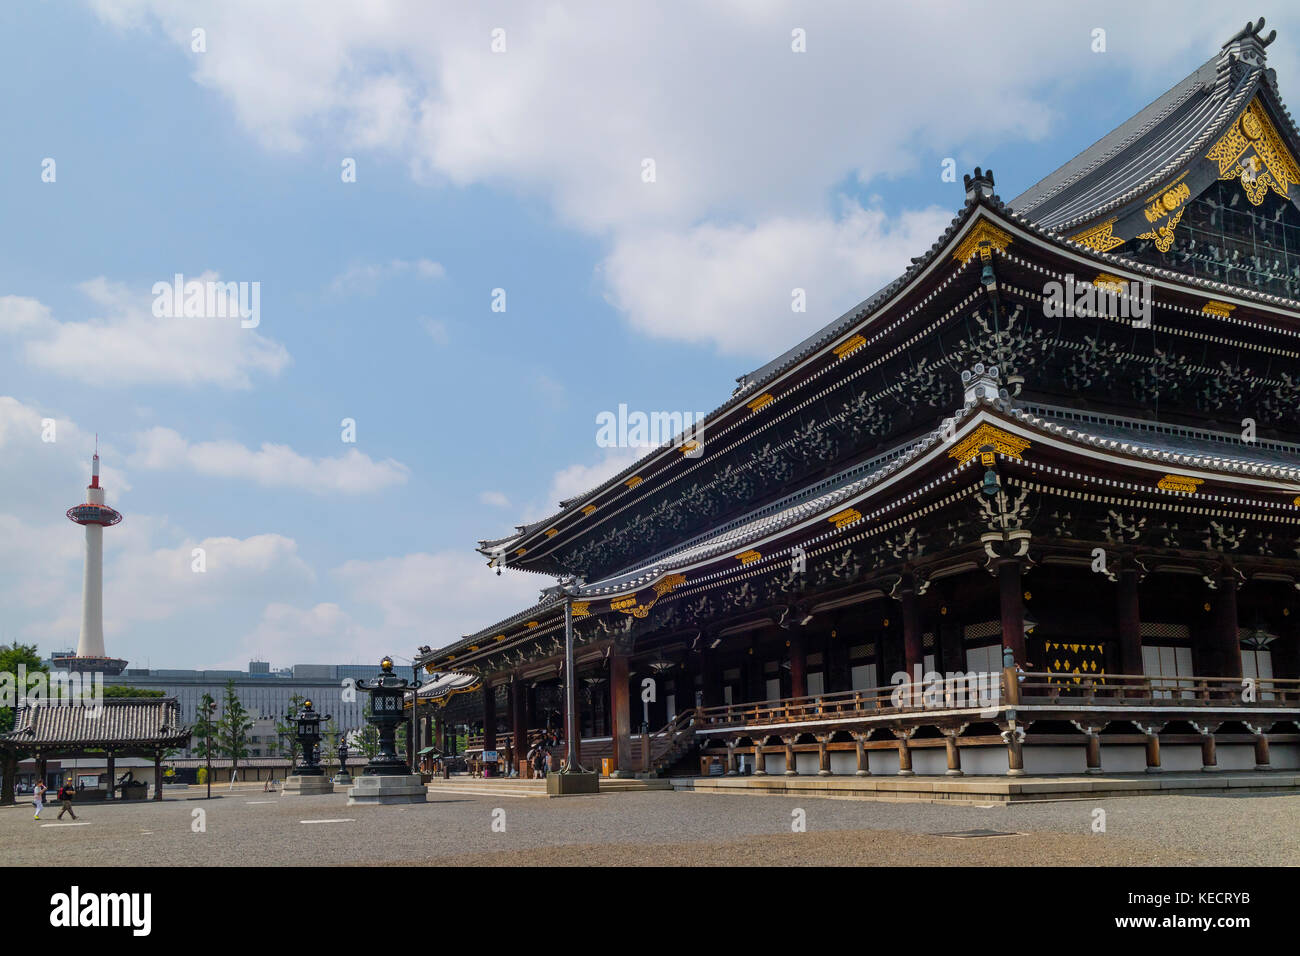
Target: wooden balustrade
x,y
1038,687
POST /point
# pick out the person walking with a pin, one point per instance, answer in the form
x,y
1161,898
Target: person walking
x,y
65,795
39,793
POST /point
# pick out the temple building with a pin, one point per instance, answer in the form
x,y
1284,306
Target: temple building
x,y
1032,507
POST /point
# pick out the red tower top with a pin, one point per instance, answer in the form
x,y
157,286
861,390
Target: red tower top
x,y
93,510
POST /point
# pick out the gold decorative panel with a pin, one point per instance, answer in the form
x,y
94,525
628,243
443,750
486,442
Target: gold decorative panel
x,y
1101,238
1073,663
1253,151
1004,442
847,516
748,557
1183,483
1221,309
983,238
761,402
847,348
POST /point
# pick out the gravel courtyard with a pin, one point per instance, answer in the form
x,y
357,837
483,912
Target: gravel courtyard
x,y
251,828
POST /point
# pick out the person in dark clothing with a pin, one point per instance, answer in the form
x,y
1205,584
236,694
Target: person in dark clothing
x,y
66,793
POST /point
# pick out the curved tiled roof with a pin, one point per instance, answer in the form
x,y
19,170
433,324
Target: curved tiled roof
x,y
133,721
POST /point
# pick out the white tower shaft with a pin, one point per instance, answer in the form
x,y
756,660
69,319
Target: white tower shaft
x,y
91,642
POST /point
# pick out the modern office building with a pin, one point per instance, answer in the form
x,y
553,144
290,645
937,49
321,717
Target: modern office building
x,y
264,692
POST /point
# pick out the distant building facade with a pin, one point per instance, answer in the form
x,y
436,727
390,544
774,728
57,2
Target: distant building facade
x,y
265,693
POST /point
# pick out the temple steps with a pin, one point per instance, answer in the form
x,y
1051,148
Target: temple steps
x,y
516,787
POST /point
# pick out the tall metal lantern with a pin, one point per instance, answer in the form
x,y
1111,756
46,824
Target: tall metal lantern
x,y
387,693
308,733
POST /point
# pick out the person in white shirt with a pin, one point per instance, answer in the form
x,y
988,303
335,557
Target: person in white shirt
x,y
40,797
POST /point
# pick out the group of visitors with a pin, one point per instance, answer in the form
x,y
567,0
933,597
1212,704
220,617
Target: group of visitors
x,y
64,796
540,758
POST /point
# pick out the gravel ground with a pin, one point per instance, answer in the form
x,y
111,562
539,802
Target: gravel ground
x,y
248,827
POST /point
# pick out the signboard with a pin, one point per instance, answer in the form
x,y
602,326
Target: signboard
x,y
489,756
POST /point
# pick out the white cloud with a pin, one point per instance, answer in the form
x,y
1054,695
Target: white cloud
x,y
434,598
366,277
579,478
271,465
748,137
323,633
127,345
160,583
494,498
437,330
733,286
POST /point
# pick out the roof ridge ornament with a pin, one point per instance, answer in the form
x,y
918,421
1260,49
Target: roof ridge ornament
x,y
983,384
1247,45
980,185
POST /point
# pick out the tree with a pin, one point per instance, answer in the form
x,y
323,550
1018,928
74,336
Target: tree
x,y
10,659
329,741
368,738
204,727
121,690
233,728
286,730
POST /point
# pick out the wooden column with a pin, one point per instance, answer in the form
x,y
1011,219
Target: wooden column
x,y
760,760
1261,745
1127,622
521,718
1152,732
1012,606
1227,641
864,764
111,771
1093,752
904,753
953,753
731,758
909,608
798,668
708,678
791,768
823,755
157,775
1209,748
952,657
1015,751
489,724
620,712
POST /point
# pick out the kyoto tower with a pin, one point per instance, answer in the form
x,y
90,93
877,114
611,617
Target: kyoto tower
x,y
95,516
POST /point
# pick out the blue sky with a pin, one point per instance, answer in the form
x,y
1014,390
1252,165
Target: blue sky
x,y
476,170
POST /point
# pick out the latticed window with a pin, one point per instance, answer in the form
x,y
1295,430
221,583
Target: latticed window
x,y
1222,237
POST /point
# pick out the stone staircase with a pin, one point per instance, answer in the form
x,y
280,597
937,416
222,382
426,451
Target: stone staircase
x,y
508,787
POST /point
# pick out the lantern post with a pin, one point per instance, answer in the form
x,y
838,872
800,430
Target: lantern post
x,y
387,778
307,778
